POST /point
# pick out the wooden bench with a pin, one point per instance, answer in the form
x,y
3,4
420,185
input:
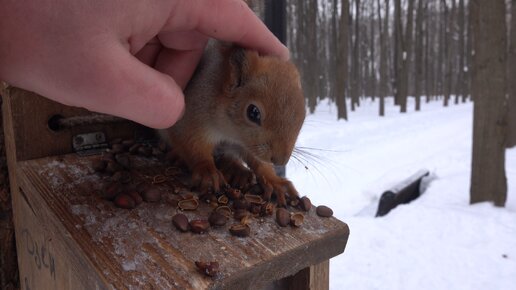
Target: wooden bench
x,y
70,238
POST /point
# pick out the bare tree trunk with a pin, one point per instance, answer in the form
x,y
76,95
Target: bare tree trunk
x,y
488,181
446,55
372,45
342,57
511,77
461,81
398,50
355,85
384,32
419,54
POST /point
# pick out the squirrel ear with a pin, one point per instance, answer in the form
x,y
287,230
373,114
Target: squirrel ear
x,y
239,66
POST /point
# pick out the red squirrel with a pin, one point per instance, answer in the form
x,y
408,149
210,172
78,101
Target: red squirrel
x,y
240,106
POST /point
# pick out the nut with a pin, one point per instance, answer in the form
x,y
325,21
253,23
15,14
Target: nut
x,y
99,165
240,214
223,200
267,208
208,268
234,193
135,196
157,179
240,204
253,199
123,159
180,221
188,204
305,203
240,230
121,176
134,148
124,201
217,219
224,210
113,167
199,226
324,211
111,190
151,194
297,219
117,148
282,217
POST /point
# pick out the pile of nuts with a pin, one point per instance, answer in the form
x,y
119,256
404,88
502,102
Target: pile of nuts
x,y
127,189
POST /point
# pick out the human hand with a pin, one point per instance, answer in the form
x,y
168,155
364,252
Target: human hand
x,y
128,58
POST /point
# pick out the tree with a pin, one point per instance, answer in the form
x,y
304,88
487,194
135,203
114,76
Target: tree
x,y
384,77
403,53
419,54
511,133
342,57
355,75
488,180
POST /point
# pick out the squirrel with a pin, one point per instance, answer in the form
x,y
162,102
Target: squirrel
x,y
240,108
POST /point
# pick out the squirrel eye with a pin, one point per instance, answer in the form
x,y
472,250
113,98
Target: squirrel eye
x,y
254,115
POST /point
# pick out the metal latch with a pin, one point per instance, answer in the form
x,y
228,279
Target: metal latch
x,y
89,143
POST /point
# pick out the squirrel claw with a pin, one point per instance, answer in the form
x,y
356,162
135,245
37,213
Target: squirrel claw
x,y
235,172
206,176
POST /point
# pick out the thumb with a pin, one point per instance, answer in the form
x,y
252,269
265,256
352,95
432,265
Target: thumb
x,y
117,83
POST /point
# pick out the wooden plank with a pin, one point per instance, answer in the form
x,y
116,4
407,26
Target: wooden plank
x,y
315,277
139,248
30,114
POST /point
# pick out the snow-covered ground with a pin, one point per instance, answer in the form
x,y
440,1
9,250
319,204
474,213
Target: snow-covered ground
x,y
438,241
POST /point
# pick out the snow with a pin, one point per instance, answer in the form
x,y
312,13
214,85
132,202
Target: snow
x,y
438,241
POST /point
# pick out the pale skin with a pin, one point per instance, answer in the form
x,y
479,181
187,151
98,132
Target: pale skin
x,y
129,58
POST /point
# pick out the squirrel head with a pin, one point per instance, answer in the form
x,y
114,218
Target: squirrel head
x,y
264,106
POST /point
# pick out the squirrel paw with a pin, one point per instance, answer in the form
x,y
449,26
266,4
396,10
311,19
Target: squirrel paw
x,y
206,176
281,187
235,172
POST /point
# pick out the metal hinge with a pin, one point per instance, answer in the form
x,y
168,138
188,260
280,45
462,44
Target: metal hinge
x,y
89,143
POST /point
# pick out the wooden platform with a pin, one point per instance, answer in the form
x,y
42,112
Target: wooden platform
x,y
70,238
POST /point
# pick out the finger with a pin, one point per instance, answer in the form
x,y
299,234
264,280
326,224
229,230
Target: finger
x,y
181,55
228,20
149,53
117,83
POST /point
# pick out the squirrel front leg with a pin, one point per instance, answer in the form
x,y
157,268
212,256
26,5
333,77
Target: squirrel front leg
x,y
199,159
270,181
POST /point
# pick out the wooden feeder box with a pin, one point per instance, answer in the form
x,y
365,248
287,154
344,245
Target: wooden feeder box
x,y
69,238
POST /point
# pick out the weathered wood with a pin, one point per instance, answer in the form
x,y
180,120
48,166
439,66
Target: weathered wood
x,y
32,136
140,248
315,277
8,264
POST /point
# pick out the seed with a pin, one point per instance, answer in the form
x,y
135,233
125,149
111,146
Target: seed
x,y
208,268
111,190
253,199
267,208
113,167
188,204
294,202
282,217
136,197
224,210
324,211
123,159
240,214
186,195
199,226
217,219
151,194
128,143
255,209
157,179
240,204
305,203
145,151
297,219
108,156
121,176
240,230
223,200
172,171
124,201
117,148
134,148
99,165
180,221
234,193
